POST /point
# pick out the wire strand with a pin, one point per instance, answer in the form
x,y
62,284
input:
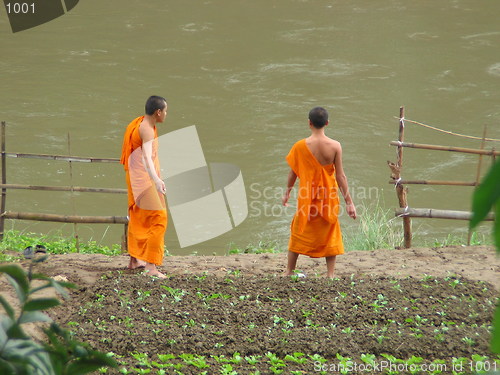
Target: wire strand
x,y
449,132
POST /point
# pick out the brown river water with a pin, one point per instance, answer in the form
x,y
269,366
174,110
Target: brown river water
x,y
246,73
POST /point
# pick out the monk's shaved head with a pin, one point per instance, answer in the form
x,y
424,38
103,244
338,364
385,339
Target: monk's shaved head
x,y
154,103
318,117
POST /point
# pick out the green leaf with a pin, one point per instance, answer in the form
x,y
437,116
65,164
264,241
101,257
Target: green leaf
x,y
3,337
60,286
15,331
34,316
17,277
496,227
41,304
8,309
6,367
87,365
486,194
27,353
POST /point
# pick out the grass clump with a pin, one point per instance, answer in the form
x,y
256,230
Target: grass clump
x,y
376,229
17,241
261,247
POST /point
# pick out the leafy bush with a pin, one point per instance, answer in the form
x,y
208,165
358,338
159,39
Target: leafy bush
x,y
486,198
19,353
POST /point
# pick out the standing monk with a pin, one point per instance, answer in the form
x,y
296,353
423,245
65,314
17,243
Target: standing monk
x,y
315,229
146,190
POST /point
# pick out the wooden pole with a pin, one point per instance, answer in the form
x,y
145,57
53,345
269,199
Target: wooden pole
x,y
4,181
401,190
399,144
125,238
478,176
62,157
65,218
439,214
79,189
75,228
435,182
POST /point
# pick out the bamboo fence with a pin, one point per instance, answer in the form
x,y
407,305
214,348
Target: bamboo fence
x,y
75,219
404,210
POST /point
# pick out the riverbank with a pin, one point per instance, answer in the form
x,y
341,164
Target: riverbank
x,y
473,262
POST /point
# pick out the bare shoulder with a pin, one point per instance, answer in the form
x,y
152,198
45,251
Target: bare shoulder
x,y
332,143
146,131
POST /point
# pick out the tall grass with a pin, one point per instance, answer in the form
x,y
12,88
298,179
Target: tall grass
x,y
376,228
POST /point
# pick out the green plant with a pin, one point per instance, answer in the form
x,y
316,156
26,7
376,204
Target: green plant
x,y
261,247
376,230
227,369
61,354
194,360
55,244
485,198
253,359
296,357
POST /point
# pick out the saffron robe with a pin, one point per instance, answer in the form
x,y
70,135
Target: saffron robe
x,y
146,206
315,229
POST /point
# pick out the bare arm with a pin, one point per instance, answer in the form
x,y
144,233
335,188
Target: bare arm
x,y
342,182
292,177
147,136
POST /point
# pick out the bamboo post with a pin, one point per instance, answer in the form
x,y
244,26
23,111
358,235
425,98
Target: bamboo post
x,y
125,239
478,176
4,181
75,228
401,190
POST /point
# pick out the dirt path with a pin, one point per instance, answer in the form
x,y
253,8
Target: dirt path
x,y
476,263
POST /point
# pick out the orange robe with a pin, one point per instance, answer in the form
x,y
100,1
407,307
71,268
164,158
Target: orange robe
x,y
146,207
315,229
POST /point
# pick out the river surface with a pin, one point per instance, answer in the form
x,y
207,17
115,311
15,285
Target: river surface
x,y
246,73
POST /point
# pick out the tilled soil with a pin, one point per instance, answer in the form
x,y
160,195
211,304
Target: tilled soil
x,y
423,310
213,316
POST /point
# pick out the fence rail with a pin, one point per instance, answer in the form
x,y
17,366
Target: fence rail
x,y
407,212
438,214
75,219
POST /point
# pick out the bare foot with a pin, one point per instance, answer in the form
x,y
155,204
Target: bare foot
x,y
135,263
151,270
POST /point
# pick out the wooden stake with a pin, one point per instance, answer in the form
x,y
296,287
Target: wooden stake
x,y
75,228
125,239
401,190
4,181
478,176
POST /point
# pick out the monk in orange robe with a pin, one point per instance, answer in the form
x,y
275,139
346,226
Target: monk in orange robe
x,y
317,162
146,190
